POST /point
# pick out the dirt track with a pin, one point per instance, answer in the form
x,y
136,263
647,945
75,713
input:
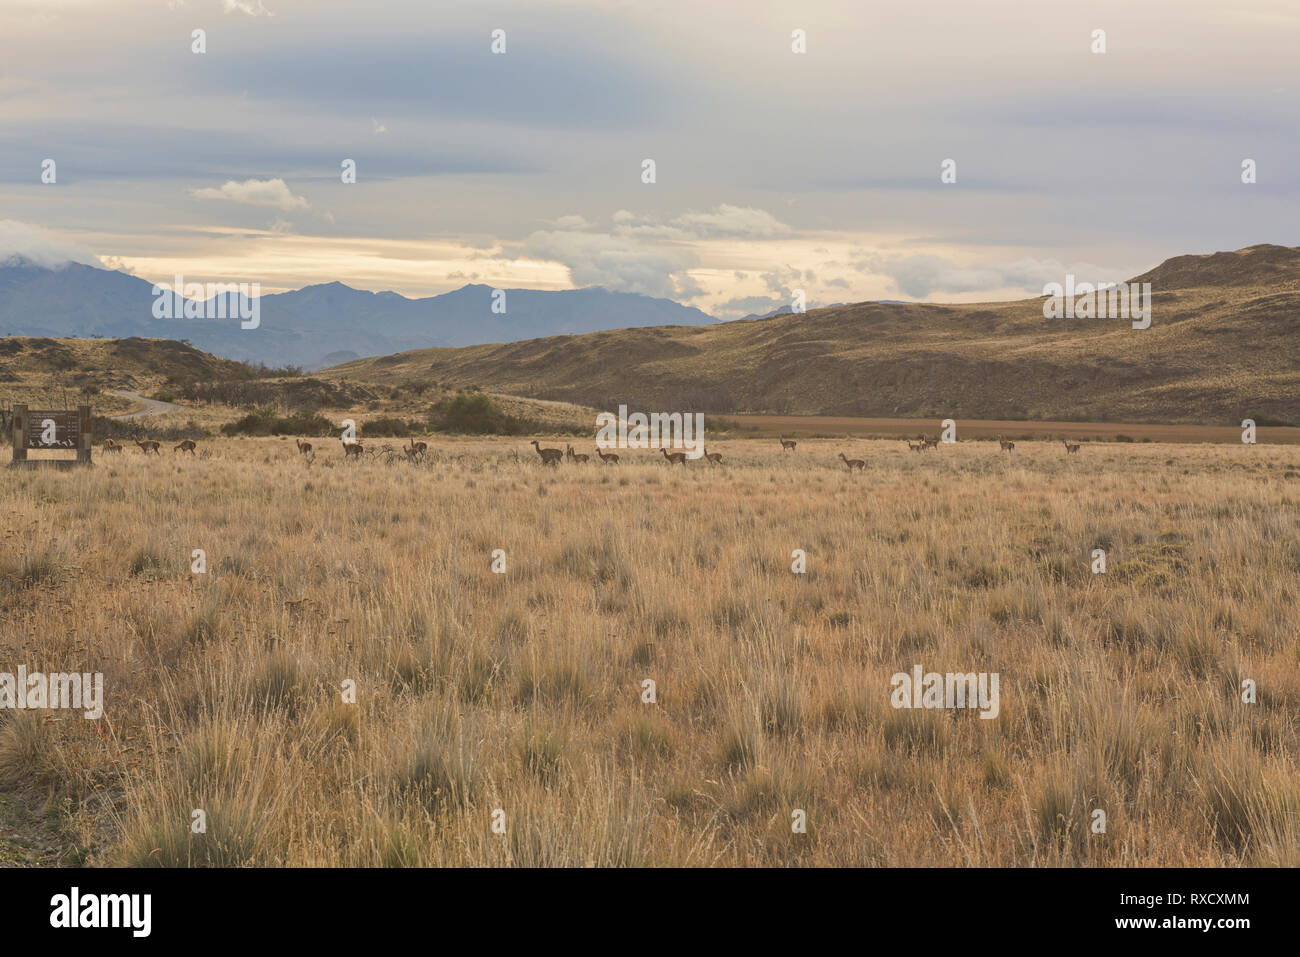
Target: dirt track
x,y
761,425
151,406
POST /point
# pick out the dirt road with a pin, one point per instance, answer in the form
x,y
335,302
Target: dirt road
x,y
151,406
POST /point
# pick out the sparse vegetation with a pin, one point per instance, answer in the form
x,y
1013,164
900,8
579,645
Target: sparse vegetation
x,y
523,690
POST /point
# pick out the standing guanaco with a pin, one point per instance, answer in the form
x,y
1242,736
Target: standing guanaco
x,y
715,458
858,464
303,447
674,458
149,445
604,457
576,456
1006,446
1069,449
787,445
549,456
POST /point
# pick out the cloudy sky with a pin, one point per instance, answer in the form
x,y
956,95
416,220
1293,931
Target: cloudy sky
x,y
774,170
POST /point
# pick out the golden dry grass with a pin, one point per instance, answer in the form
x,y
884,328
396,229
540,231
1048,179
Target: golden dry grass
x,y
522,691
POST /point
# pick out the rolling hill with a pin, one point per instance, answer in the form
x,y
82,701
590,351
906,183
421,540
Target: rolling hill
x,y
1224,343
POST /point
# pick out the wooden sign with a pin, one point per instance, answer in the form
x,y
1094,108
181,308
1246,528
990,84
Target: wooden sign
x,y
57,430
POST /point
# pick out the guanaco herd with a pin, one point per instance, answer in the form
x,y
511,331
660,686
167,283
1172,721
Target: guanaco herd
x,y
149,445
415,451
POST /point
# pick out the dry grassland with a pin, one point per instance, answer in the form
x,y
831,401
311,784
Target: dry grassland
x,y
522,691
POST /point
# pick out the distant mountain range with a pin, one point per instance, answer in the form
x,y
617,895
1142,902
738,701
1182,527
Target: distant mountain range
x,y
317,325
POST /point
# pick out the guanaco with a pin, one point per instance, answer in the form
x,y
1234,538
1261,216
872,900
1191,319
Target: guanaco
x,y
303,447
111,446
929,443
853,463
607,457
787,445
549,456
417,449
353,449
1006,446
576,456
187,445
149,445
1069,449
715,458
919,447
674,458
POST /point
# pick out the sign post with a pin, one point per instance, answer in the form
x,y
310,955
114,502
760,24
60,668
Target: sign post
x,y
51,429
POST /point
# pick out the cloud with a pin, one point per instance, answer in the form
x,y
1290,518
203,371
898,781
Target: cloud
x,y
727,220
252,8
40,247
598,259
572,222
255,192
750,306
923,275
722,222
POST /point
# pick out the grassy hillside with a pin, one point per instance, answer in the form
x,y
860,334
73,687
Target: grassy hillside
x,y
1224,343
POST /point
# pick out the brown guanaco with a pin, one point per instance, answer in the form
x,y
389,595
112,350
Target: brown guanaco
x,y
549,456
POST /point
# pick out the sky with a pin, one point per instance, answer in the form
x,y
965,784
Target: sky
x,y
774,170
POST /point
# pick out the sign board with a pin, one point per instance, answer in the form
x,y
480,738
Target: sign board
x,y
51,430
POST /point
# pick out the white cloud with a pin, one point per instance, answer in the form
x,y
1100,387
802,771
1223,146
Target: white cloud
x,y
40,247
923,275
255,192
572,222
724,221
728,220
598,259
252,8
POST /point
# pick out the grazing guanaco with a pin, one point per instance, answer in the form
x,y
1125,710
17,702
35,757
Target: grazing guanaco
x,y
853,463
149,445
674,458
1006,446
187,445
1069,449
715,458
549,456
787,445
576,456
303,447
607,457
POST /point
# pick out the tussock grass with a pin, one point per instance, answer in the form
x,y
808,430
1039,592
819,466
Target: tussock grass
x,y
478,692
